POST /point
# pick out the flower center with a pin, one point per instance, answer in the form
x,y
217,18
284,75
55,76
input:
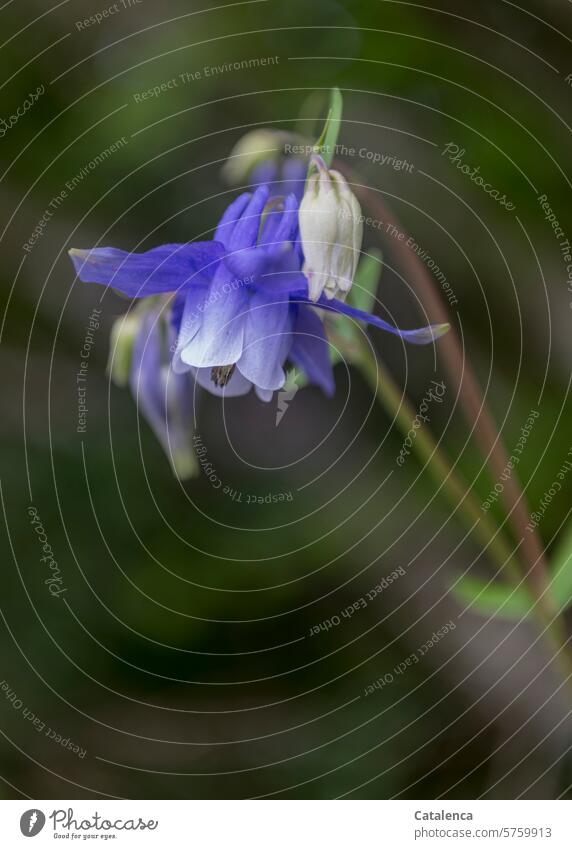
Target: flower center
x,y
220,375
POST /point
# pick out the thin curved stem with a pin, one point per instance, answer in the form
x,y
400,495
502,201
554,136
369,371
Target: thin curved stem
x,y
451,483
471,399
434,459
534,571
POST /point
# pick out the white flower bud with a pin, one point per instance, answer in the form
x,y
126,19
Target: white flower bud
x,y
331,229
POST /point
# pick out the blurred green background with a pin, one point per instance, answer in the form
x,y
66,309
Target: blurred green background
x,y
181,658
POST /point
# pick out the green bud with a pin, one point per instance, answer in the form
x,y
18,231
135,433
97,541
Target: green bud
x,y
254,148
122,339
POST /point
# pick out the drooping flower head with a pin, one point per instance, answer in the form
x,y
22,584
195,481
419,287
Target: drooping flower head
x,y
231,314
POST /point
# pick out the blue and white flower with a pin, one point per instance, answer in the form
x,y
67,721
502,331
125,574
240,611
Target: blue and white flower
x,y
241,304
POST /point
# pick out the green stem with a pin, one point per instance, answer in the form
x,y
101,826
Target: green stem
x,y
461,499
471,398
435,461
535,567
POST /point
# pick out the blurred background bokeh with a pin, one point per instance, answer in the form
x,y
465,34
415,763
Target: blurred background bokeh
x,y
181,660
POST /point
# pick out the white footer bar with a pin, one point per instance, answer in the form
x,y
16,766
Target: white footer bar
x,y
288,824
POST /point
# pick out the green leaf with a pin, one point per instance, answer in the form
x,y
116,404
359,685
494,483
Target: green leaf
x,y
500,600
495,599
364,287
561,571
326,144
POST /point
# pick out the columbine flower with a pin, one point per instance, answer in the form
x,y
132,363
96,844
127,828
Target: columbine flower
x,y
242,306
331,227
140,355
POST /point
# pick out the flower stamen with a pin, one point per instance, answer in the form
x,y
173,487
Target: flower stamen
x,y
220,375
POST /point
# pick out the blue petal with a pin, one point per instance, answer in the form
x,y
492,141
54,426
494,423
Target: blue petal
x,y
145,375
219,340
246,230
168,268
264,394
310,350
265,172
247,264
281,273
282,283
267,340
294,173
190,322
231,215
177,308
274,269
288,178
271,225
288,228
165,399
281,225
418,336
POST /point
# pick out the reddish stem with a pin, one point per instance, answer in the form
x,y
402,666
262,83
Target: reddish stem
x,y
464,380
